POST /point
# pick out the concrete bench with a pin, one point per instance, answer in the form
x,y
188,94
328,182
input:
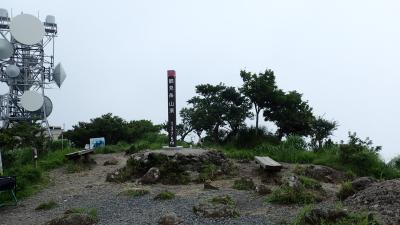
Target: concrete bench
x,y
268,164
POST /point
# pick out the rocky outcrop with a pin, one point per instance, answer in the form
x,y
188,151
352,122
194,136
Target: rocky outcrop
x,y
112,161
151,177
325,174
362,183
210,210
382,198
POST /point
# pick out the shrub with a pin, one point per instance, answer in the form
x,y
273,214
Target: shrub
x,y
223,199
91,212
310,183
165,195
244,183
208,172
46,205
247,138
346,190
285,194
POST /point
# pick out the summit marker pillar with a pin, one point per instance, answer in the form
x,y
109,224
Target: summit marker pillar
x,y
171,84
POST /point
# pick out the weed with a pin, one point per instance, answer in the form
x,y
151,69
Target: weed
x,y
165,195
244,183
223,199
46,205
285,194
346,190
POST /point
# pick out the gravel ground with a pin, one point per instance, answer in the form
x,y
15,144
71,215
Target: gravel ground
x,y
89,190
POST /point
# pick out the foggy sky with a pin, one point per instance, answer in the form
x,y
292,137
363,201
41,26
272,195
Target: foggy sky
x,y
342,55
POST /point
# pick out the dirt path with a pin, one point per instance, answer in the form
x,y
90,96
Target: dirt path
x,y
89,190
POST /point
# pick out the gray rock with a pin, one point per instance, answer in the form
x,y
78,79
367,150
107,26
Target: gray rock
x,y
362,182
170,219
112,161
209,186
151,177
325,174
263,190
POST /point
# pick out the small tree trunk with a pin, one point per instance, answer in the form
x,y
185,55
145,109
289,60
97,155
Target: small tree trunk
x,y
257,113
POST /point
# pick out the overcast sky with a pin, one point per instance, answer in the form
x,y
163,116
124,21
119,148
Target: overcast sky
x,y
342,55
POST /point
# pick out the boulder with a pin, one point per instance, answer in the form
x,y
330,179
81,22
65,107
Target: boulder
x,y
170,219
209,186
325,174
210,210
151,177
263,190
74,218
112,161
294,182
362,182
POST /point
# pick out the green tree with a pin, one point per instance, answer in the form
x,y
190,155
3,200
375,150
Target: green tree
x,y
321,129
260,89
291,114
218,106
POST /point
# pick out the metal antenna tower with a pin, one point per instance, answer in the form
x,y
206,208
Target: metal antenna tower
x,y
27,67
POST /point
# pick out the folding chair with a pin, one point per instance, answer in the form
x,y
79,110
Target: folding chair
x,y
9,184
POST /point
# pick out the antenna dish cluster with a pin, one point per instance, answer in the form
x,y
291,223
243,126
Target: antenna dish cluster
x,y
27,66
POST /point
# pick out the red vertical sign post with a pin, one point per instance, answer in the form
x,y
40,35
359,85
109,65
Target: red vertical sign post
x,y
171,78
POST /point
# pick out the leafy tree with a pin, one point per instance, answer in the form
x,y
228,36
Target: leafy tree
x,y
113,128
260,89
291,114
216,107
321,129
23,134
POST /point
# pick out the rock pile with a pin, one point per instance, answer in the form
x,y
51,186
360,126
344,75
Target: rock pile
x,y
382,198
173,167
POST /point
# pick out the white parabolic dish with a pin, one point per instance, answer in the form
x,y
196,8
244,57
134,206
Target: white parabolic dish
x,y
6,49
27,29
59,75
32,101
12,71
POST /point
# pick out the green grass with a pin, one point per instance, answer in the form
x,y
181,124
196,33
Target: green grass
x,y
346,190
310,183
223,199
91,212
350,219
285,194
165,195
208,172
244,183
137,192
47,205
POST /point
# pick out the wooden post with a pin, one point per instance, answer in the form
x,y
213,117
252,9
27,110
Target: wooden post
x,y
1,165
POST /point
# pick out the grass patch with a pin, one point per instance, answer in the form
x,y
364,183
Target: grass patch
x,y
310,183
134,192
305,217
91,212
244,183
46,205
346,190
208,172
285,194
223,200
165,195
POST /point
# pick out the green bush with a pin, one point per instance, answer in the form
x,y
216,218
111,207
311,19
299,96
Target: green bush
x,y
310,183
223,200
285,194
165,195
247,138
91,212
208,172
346,190
244,183
46,205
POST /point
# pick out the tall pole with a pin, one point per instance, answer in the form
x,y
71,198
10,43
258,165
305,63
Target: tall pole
x,y
171,84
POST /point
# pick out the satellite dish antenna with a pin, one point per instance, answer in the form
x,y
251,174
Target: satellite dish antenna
x,y
12,71
59,75
27,29
6,49
48,104
32,101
